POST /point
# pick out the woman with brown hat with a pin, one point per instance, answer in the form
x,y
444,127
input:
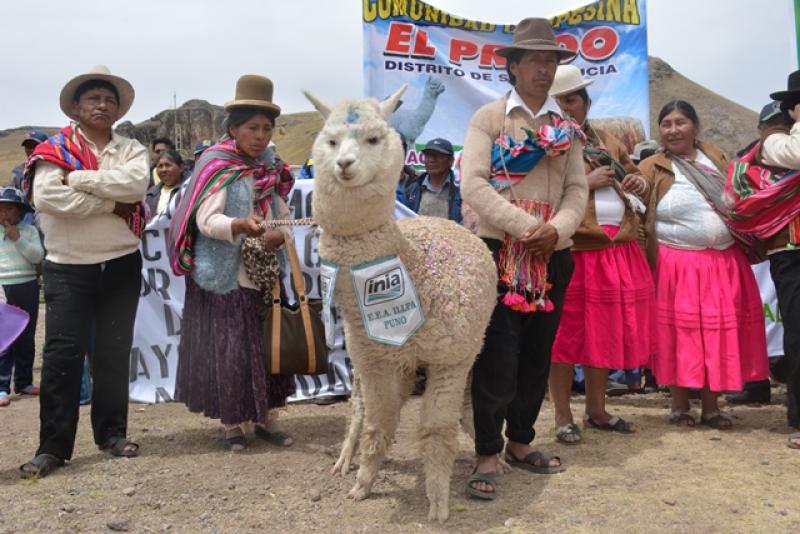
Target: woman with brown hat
x,y
236,185
609,309
710,322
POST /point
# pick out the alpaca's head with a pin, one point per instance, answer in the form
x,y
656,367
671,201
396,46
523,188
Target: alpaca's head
x,y
358,158
434,85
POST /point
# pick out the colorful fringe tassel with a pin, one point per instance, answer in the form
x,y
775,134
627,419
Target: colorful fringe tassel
x,y
525,275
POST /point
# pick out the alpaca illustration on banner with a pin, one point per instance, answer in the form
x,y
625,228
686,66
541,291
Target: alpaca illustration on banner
x,y
447,276
411,122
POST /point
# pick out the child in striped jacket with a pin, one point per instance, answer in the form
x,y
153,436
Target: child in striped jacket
x,y
20,252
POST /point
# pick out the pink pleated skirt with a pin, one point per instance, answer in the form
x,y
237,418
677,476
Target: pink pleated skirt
x,y
608,320
710,320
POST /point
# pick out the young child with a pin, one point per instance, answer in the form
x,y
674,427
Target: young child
x,y
20,252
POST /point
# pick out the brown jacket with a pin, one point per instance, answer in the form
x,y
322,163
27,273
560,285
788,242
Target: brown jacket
x,y
560,180
658,170
590,236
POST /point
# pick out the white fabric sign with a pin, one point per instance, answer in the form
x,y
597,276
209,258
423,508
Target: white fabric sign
x,y
772,316
388,301
328,274
157,331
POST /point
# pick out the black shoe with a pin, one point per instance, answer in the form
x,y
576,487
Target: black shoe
x,y
754,393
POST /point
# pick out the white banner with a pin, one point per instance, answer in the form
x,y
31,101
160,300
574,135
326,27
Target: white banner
x,y
452,68
772,316
157,331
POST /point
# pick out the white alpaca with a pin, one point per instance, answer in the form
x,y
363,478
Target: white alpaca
x,y
358,159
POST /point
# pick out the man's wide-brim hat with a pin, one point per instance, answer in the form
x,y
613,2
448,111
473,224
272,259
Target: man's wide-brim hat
x,y
792,86
535,34
568,79
253,91
99,72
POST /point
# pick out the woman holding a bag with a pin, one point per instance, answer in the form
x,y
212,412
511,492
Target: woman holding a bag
x,y
710,321
236,185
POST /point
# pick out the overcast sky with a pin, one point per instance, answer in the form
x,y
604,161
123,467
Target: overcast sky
x,y
742,49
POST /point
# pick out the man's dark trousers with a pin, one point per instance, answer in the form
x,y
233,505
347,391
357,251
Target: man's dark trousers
x,y
785,270
76,297
509,379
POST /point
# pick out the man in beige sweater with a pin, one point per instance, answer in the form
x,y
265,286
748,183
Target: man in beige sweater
x,y
510,374
92,271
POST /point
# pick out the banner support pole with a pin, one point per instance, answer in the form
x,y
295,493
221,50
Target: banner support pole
x,y
797,29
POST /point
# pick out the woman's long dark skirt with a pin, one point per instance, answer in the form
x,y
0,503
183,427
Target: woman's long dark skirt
x,y
222,362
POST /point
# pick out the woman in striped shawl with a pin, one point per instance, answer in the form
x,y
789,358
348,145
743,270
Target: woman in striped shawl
x,y
236,185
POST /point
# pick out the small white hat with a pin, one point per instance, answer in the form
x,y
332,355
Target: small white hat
x,y
568,80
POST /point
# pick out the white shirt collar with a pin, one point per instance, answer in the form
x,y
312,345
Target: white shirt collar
x,y
110,147
514,100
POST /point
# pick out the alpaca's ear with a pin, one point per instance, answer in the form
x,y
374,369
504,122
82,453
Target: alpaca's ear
x,y
321,107
390,104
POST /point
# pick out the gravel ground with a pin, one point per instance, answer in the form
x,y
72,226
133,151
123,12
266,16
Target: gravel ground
x,y
661,479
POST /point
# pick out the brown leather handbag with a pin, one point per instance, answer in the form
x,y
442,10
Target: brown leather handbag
x,y
294,337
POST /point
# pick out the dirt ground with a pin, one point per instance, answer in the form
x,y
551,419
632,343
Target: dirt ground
x,y
663,479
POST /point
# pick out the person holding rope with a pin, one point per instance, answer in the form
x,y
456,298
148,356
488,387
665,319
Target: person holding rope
x,y
609,309
237,185
523,175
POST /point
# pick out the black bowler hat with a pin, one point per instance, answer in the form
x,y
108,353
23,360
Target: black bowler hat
x,y
793,88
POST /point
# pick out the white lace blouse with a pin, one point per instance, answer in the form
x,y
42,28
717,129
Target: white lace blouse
x,y
684,219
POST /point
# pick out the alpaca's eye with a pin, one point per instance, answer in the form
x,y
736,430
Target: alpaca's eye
x,y
332,143
373,140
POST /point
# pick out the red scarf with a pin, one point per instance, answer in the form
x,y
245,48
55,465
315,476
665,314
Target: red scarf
x,y
763,200
68,150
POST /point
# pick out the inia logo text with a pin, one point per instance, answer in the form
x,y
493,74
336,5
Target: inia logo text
x,y
384,287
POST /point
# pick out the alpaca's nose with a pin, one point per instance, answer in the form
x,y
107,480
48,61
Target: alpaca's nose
x,y
345,162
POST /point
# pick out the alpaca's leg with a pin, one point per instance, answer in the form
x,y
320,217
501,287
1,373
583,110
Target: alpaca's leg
x,y
342,465
384,392
438,433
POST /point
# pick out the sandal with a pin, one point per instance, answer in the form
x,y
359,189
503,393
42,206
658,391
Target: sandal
x,y
41,466
682,419
717,421
234,440
615,424
120,446
790,443
275,437
565,431
536,462
487,478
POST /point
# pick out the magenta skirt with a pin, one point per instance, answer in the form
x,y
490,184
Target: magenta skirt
x,y
609,309
710,320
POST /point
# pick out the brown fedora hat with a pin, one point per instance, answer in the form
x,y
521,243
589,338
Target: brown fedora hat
x,y
99,72
535,34
254,91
